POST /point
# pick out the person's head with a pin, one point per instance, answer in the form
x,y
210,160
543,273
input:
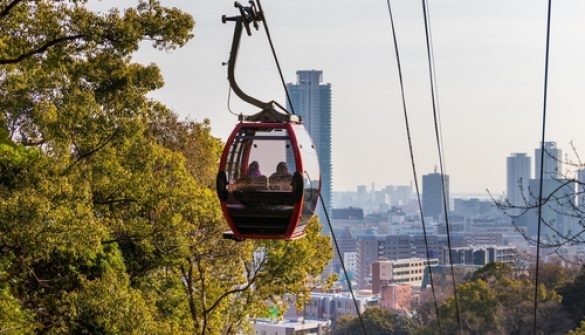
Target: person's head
x,y
281,168
254,169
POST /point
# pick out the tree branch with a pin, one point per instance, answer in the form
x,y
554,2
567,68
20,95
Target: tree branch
x,y
9,7
251,282
40,49
91,152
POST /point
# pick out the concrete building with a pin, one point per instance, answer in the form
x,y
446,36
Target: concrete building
x,y
350,261
330,306
347,213
556,223
312,101
475,207
397,298
367,254
408,246
517,179
291,327
400,195
347,244
581,188
402,271
481,255
553,164
432,195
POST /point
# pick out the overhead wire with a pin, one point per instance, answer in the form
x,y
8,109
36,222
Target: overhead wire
x,y
436,88
541,177
432,79
325,210
414,173
265,24
343,266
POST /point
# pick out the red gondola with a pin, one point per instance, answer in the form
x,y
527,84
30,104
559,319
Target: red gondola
x,y
268,181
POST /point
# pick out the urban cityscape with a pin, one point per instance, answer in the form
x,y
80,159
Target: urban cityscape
x,y
380,231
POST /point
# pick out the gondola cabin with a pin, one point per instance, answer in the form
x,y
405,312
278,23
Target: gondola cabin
x,y
268,181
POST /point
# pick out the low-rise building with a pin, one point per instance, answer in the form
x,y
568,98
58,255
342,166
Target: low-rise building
x,y
397,298
400,271
481,255
291,327
330,306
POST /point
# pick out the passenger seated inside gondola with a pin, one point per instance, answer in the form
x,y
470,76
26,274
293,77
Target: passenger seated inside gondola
x,y
281,179
254,179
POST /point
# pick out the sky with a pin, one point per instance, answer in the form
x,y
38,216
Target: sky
x,y
489,58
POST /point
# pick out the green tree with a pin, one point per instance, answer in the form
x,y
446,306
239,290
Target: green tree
x,y
579,330
574,297
377,321
494,302
108,223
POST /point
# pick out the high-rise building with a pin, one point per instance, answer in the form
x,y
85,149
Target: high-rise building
x,y
553,164
558,196
432,197
558,200
581,187
517,178
312,101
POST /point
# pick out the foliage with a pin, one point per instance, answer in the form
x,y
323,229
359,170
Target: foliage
x,y
377,321
494,302
573,294
108,223
579,330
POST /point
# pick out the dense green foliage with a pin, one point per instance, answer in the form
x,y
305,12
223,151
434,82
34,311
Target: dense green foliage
x,y
495,300
108,224
376,321
574,297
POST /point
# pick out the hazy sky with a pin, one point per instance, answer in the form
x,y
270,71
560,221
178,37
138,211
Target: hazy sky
x,y
489,58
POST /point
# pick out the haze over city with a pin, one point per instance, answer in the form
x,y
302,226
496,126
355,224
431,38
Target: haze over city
x,y
489,62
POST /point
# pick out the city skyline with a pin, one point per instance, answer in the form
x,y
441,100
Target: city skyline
x,y
489,59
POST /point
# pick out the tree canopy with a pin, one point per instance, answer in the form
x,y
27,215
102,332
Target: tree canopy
x,y
496,301
377,321
108,223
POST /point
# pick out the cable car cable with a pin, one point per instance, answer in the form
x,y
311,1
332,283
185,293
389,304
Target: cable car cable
x,y
545,93
414,173
436,88
343,265
438,140
265,24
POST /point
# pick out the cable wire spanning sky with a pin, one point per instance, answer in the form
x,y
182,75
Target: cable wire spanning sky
x,y
489,58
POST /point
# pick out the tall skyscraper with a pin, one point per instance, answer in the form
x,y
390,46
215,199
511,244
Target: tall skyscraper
x,y
558,196
517,177
581,188
312,101
553,165
432,197
557,222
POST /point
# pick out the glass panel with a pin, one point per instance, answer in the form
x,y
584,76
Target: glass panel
x,y
311,173
258,153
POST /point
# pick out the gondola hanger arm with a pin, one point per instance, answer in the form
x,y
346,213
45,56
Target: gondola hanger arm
x,y
248,15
